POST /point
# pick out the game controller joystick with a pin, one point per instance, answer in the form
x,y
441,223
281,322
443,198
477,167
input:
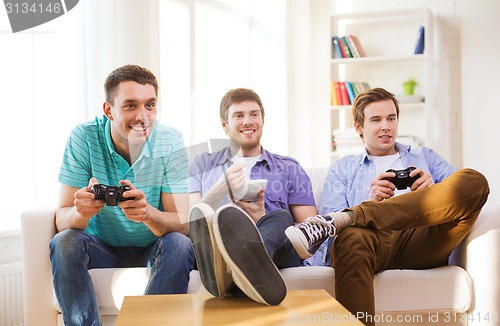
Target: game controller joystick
x,y
402,180
112,195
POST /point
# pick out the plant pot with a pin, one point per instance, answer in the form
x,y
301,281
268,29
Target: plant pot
x,y
409,88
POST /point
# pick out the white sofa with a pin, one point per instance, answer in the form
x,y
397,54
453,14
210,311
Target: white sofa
x,y
449,295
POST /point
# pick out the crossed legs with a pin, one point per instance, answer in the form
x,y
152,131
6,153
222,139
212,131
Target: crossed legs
x,y
417,230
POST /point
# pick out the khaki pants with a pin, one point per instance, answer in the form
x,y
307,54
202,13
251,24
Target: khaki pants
x,y
416,230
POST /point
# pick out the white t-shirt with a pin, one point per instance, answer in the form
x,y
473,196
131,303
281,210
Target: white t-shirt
x,y
384,163
249,163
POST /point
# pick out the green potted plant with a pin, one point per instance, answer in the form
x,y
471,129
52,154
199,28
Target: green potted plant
x,y
409,87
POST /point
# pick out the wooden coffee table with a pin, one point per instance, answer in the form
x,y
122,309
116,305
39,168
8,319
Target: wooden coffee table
x,y
301,306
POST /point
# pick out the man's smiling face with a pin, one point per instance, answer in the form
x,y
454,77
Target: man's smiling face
x,y
133,114
244,125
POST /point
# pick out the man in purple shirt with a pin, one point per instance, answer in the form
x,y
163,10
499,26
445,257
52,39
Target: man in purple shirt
x,y
239,239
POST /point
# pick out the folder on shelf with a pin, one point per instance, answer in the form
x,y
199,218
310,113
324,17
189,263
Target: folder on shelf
x,y
420,45
336,46
333,93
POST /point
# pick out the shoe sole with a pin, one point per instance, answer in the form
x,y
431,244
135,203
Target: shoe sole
x,y
212,268
242,248
298,242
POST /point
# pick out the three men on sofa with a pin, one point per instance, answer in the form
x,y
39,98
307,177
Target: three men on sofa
x,y
240,244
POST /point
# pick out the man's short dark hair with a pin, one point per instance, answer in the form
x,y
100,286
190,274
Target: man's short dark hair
x,y
134,73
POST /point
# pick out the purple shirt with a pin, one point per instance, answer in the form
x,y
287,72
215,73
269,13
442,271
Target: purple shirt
x,y
287,182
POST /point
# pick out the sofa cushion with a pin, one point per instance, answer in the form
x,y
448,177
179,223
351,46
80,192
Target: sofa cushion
x,y
310,278
447,288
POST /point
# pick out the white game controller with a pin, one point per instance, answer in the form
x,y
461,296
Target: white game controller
x,y
254,187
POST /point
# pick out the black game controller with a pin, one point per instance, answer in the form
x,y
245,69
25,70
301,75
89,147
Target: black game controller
x,y
402,180
112,195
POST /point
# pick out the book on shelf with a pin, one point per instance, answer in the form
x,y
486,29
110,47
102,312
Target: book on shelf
x,y
343,94
336,47
365,86
333,93
420,44
350,92
355,89
357,45
342,48
362,86
338,92
347,47
352,46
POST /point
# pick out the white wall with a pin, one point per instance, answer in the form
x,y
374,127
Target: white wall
x,y
308,42
480,48
118,32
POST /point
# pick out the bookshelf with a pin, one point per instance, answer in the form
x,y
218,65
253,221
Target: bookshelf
x,y
388,39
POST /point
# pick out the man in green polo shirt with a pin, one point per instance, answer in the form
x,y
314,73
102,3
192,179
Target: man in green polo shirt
x,y
148,226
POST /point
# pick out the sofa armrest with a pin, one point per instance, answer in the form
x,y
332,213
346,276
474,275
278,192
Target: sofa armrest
x,y
482,261
37,228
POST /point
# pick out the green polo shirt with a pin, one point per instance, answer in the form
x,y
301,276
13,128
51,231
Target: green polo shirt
x,y
161,167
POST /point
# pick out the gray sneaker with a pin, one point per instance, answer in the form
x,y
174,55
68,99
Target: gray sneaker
x,y
307,237
214,273
242,248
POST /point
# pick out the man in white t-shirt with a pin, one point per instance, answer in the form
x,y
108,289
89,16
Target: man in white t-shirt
x,y
373,229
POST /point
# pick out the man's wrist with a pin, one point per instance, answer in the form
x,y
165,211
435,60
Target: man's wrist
x,y
146,215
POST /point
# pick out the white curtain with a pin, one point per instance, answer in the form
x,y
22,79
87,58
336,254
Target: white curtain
x,y
52,79
208,47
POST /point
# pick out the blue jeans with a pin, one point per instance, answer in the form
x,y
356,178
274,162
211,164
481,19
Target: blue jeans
x,y
272,228
74,252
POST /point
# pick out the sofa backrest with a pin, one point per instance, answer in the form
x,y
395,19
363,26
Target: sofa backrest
x,y
318,177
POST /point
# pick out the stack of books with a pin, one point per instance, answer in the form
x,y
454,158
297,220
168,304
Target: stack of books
x,y
347,47
347,142
344,93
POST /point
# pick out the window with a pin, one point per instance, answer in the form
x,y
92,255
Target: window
x,y
208,47
39,108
